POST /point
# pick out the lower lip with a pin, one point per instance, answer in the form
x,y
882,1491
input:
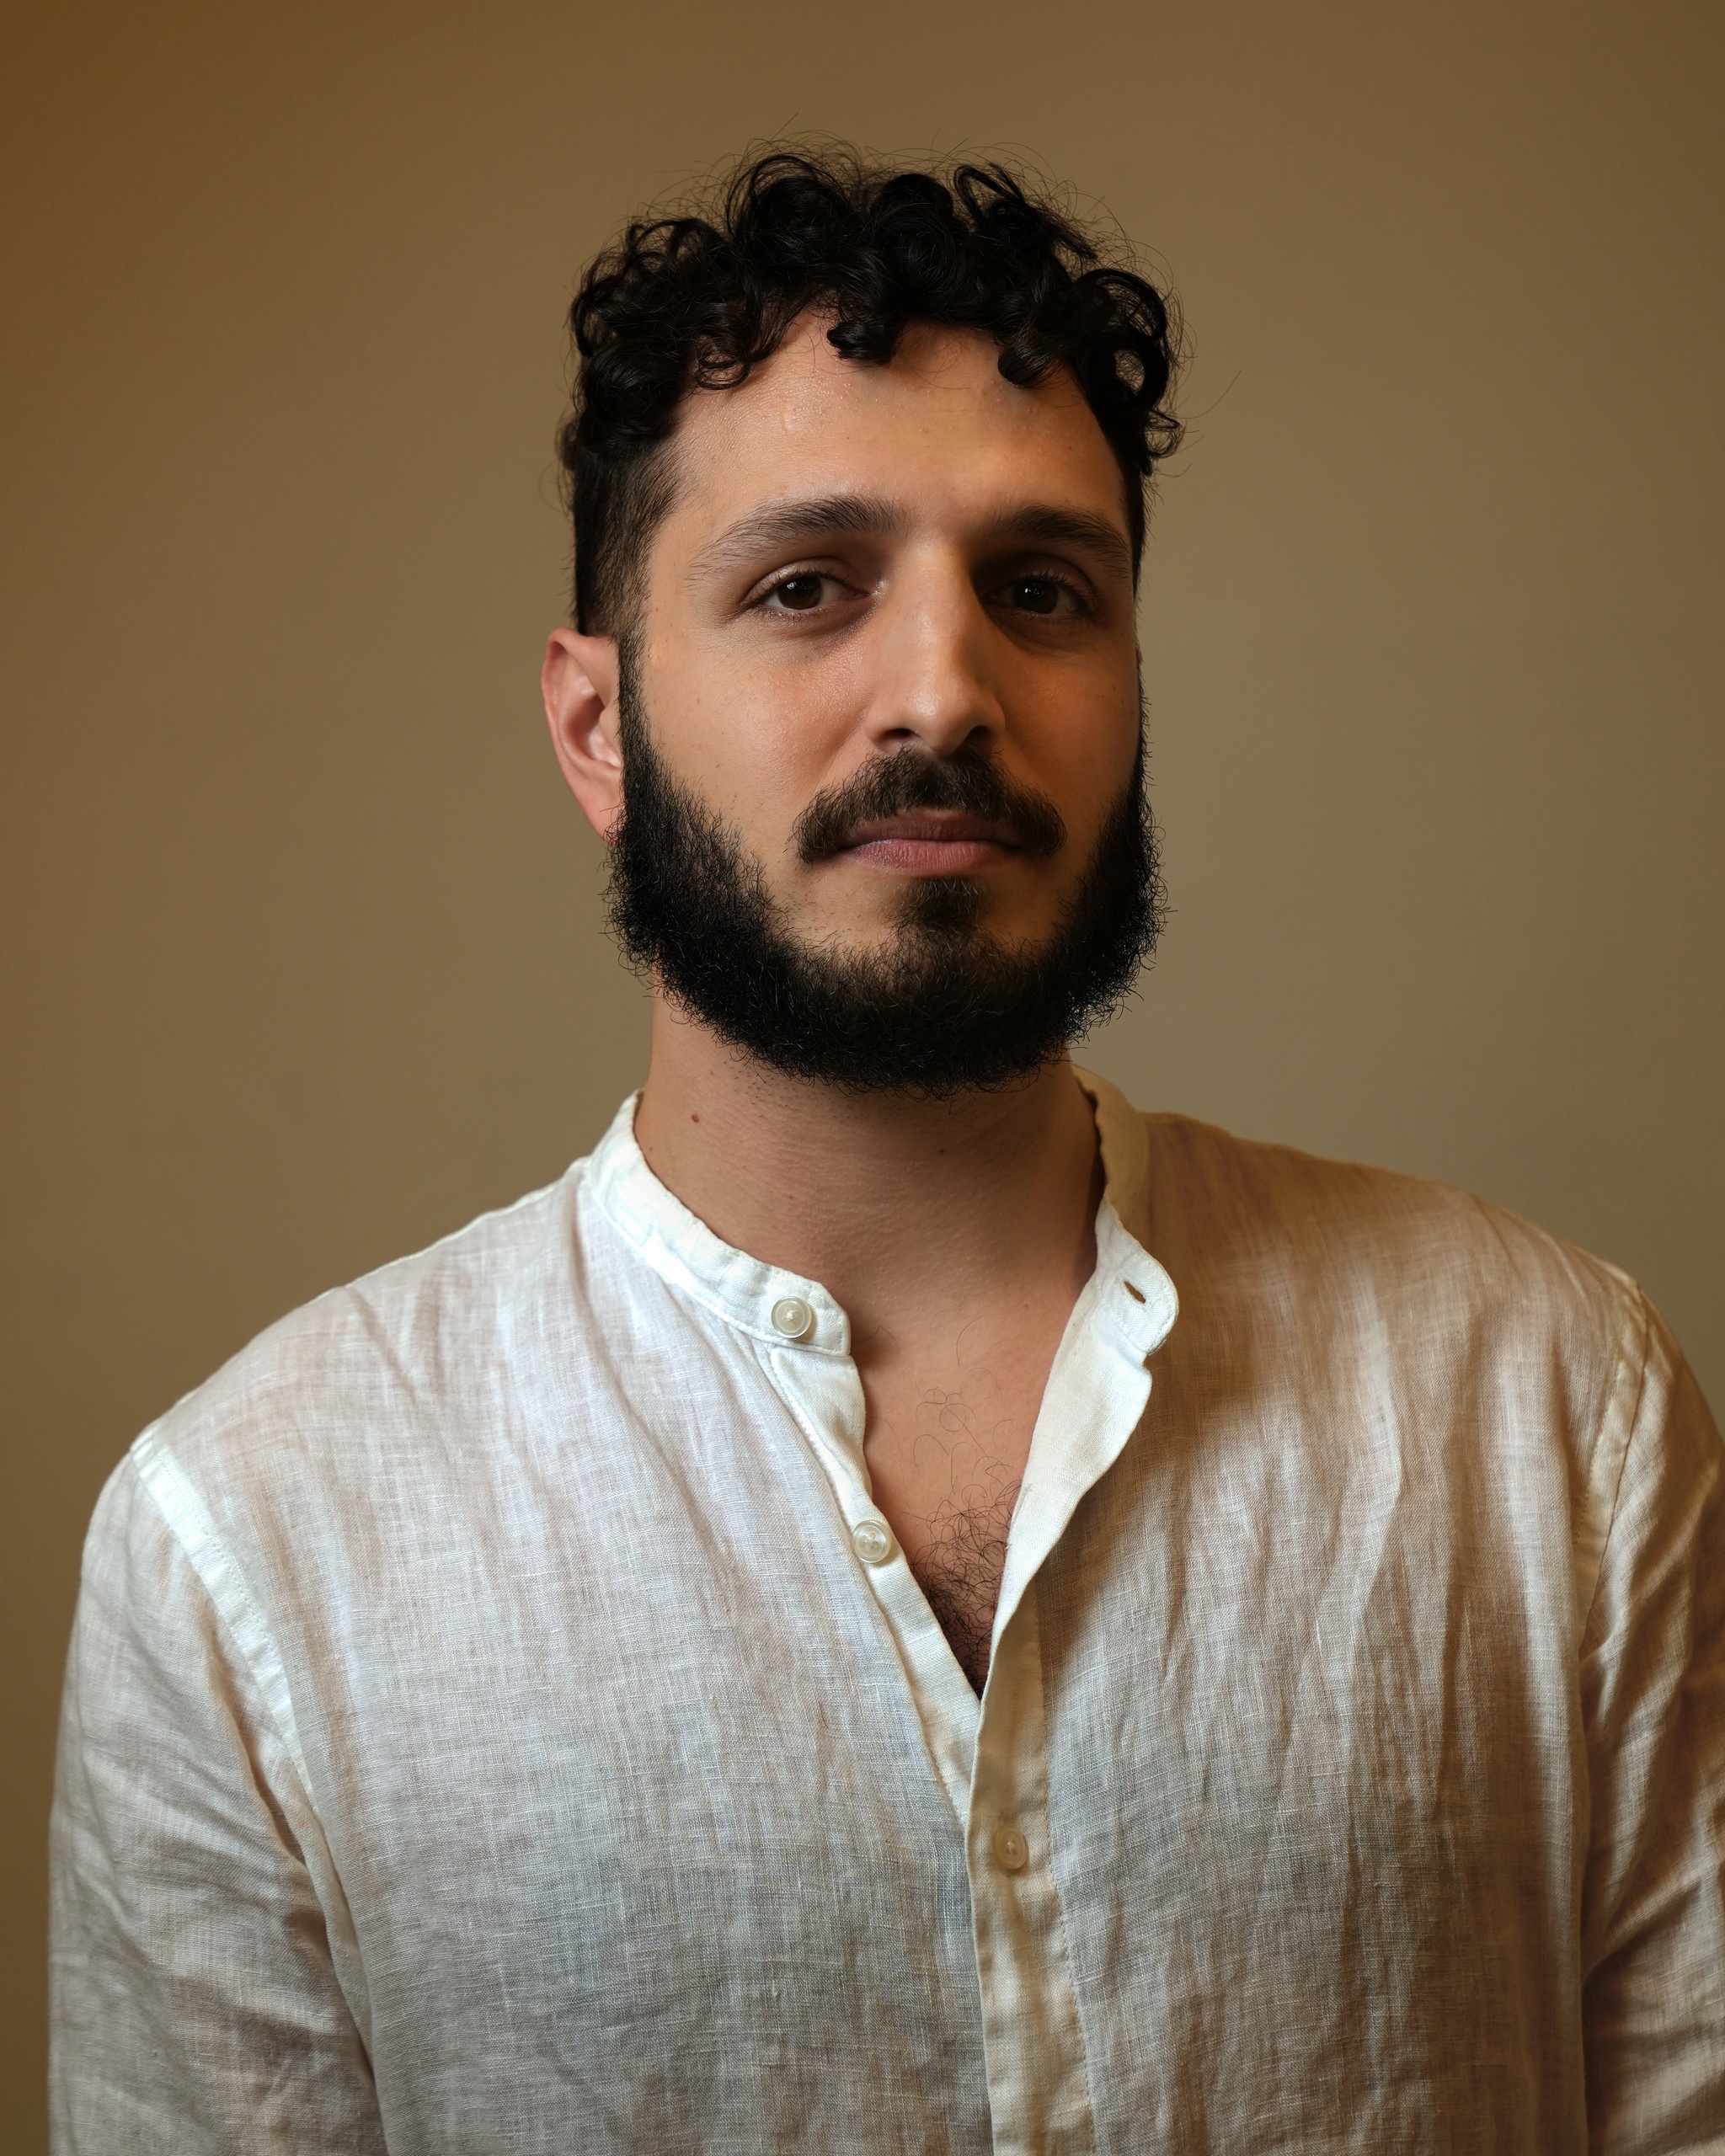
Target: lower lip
x,y
932,856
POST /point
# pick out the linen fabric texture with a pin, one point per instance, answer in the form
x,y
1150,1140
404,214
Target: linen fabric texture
x,y
482,1733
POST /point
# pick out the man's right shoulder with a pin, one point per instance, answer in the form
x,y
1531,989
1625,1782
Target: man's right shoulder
x,y
427,1346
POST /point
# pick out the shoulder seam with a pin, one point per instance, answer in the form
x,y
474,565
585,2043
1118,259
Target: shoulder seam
x,y
1609,1451
187,1519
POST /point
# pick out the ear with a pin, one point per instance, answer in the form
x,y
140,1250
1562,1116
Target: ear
x,y
579,682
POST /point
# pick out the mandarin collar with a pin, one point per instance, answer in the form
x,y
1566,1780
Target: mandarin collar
x,y
1137,1294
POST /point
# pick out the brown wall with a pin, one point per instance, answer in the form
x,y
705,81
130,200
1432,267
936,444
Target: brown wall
x,y
307,966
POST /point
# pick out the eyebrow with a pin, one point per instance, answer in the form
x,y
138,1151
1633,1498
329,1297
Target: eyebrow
x,y
821,517
826,516
1081,528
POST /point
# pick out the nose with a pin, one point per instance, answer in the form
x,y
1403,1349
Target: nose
x,y
931,687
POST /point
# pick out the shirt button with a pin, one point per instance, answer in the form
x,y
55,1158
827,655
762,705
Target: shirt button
x,y
791,1316
872,1541
1011,1849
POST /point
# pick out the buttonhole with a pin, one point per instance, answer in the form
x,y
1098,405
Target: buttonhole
x,y
1136,1293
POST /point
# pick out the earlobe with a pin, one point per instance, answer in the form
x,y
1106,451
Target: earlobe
x,y
580,683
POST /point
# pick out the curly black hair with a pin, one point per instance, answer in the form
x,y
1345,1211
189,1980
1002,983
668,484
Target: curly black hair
x,y
694,300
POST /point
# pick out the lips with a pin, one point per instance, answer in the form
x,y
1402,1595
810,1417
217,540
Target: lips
x,y
932,827
924,813
933,855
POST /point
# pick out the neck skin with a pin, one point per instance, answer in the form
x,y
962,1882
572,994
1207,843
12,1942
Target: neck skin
x,y
908,1212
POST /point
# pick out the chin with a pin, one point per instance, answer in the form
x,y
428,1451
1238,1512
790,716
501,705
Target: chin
x,y
945,905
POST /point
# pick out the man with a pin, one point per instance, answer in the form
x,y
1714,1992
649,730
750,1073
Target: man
x,y
901,1605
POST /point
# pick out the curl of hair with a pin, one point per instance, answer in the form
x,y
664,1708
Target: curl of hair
x,y
695,301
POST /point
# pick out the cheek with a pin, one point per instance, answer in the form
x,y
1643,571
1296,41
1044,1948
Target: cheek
x,y
1083,750
757,740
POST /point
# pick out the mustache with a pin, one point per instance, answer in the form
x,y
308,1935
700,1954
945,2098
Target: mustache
x,y
909,779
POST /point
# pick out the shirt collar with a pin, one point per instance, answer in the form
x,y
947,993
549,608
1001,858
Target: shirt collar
x,y
1134,1295
684,1250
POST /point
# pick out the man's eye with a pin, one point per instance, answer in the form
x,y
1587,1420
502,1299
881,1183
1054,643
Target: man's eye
x,y
1040,594
797,595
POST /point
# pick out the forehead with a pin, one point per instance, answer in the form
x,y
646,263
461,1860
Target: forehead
x,y
938,429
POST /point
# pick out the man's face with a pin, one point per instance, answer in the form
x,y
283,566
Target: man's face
x,y
881,703
982,601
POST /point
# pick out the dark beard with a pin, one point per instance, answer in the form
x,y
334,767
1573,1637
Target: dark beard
x,y
945,1008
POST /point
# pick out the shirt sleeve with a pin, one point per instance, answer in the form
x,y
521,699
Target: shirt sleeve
x,y
1653,1695
196,1999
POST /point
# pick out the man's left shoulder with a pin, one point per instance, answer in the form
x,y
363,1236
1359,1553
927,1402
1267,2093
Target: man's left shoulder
x,y
1378,1249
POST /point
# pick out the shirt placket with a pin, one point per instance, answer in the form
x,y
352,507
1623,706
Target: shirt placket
x,y
992,1757
824,1394
1038,2081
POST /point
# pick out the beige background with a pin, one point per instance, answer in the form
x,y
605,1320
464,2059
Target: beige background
x,y
307,965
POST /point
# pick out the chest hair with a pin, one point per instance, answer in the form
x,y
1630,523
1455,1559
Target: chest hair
x,y
960,1571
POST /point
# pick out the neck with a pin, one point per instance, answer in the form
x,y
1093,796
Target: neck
x,y
890,1202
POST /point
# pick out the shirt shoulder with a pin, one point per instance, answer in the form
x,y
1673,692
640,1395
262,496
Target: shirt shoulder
x,y
1362,1277
1252,1208
429,1349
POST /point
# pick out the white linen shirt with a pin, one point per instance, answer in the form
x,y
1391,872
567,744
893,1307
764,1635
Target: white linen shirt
x,y
499,1720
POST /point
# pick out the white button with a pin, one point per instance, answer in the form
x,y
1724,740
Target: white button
x,y
1011,1849
791,1316
872,1541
